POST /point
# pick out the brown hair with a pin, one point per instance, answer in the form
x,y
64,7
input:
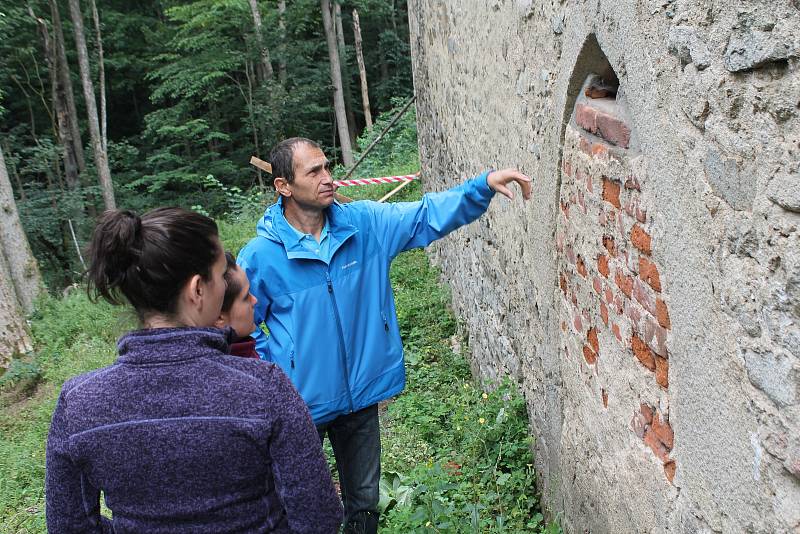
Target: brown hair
x,y
282,157
147,260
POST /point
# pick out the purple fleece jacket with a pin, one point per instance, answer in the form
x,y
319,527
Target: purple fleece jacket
x,y
181,437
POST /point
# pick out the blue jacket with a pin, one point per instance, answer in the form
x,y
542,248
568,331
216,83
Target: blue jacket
x,y
333,328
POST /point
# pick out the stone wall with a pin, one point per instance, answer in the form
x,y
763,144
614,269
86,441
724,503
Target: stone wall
x,y
648,298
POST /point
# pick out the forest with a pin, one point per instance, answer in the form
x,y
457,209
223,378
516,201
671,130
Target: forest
x,y
109,103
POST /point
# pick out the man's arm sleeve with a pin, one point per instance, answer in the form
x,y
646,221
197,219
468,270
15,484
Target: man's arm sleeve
x,y
406,225
71,503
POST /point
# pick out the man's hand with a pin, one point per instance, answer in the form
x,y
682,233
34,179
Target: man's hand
x,y
498,181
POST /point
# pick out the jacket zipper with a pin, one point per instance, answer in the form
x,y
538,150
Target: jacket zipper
x,y
292,358
385,322
341,338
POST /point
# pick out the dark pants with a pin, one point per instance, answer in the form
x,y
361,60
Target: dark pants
x,y
356,442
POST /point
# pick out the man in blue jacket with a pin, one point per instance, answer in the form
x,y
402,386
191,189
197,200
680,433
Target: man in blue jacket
x,y
320,272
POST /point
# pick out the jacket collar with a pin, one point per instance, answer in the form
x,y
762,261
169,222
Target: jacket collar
x,y
170,345
275,227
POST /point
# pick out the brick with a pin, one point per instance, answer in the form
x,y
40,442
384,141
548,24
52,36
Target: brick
x,y
647,412
611,192
604,313
589,355
617,333
602,265
612,129
633,313
565,210
604,395
599,150
586,118
597,284
669,470
576,322
663,431
585,146
591,337
575,299
609,295
656,337
619,302
625,283
649,273
652,441
641,239
662,313
611,247
643,353
643,295
632,183
562,283
567,166
581,266
598,91
662,372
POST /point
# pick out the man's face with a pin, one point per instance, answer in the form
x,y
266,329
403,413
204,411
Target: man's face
x,y
312,186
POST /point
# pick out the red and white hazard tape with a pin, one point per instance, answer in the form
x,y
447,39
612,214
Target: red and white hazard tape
x,y
372,181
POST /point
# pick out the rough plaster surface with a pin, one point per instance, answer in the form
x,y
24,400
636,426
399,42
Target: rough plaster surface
x,y
711,91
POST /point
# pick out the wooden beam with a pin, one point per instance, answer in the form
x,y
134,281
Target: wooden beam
x,y
394,191
261,164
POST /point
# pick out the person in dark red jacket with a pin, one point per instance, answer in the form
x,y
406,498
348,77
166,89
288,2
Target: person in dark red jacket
x,y
237,311
177,434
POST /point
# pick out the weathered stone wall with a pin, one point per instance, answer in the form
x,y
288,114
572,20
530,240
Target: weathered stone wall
x,y
648,297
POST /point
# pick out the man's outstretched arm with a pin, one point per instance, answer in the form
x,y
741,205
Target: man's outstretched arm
x,y
406,225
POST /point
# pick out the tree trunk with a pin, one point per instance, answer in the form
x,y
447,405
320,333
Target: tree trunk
x,y
61,127
362,71
282,29
264,67
101,67
348,98
14,338
100,156
66,82
24,271
336,79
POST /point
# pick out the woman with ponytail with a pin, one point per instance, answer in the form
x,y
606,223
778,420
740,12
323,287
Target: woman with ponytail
x,y
178,435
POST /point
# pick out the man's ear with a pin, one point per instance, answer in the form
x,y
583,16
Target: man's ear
x,y
282,186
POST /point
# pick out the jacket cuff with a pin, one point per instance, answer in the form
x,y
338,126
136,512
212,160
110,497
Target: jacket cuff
x,y
482,185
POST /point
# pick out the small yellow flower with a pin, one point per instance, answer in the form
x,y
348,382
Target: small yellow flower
x,y
428,524
481,420
485,396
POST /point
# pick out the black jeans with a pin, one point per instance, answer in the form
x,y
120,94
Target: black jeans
x,y
356,442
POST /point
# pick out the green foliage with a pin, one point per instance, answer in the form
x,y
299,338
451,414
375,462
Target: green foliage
x,y
72,336
471,465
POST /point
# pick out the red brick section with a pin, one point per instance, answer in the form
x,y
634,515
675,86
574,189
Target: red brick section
x,y
662,314
611,192
591,337
624,282
641,239
649,273
610,245
581,266
623,285
611,128
643,353
602,265
657,435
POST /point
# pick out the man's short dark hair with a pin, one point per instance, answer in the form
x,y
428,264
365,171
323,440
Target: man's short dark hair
x,y
282,157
